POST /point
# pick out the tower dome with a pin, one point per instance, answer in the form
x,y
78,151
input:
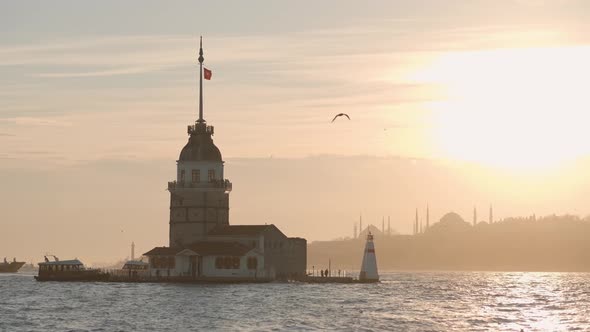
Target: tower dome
x,y
200,147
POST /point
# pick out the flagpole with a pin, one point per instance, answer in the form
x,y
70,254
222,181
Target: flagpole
x,y
201,120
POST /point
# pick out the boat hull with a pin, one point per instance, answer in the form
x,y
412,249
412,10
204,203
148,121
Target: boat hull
x,y
99,276
11,267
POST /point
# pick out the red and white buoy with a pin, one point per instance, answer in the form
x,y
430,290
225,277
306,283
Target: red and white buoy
x,y
369,267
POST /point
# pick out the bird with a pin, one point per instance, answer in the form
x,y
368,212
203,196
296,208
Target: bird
x,y
340,114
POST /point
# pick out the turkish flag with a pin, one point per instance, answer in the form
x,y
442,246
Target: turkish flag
x,y
207,74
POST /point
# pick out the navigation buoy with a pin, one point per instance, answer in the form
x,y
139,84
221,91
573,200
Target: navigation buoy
x,y
369,267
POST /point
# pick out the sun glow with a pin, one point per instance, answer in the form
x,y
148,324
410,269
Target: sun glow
x,y
512,108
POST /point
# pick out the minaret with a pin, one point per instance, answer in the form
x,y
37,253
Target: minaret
x,y
419,223
360,225
369,271
199,197
132,250
491,217
354,231
383,225
417,229
388,225
427,217
474,216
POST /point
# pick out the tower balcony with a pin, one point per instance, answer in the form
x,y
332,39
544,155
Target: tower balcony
x,y
224,185
200,128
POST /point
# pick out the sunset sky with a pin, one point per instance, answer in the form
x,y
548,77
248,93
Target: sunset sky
x,y
453,103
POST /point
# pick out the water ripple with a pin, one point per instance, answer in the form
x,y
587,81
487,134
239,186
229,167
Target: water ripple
x,y
425,301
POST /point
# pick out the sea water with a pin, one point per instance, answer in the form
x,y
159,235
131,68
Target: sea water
x,y
403,301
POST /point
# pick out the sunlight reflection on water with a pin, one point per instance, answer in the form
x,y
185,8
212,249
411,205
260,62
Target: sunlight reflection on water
x,y
405,301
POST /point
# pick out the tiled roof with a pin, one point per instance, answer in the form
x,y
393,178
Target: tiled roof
x,y
249,230
162,251
204,248
220,248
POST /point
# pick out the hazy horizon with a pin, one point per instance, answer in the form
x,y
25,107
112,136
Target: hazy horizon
x,y
452,104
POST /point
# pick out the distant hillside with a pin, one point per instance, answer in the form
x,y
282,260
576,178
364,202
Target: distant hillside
x,y
552,243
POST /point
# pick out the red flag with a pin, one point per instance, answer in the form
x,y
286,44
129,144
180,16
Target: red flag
x,y
207,74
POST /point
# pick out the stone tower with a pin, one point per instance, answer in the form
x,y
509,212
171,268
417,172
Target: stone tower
x,y
199,197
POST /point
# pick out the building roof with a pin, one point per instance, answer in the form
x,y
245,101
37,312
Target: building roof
x,y
200,147
162,251
220,248
248,230
131,265
68,262
136,263
204,248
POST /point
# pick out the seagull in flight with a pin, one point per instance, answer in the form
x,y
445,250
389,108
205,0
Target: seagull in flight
x,y
340,114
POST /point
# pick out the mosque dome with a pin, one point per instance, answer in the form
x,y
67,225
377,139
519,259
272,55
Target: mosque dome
x,y
200,147
451,218
450,222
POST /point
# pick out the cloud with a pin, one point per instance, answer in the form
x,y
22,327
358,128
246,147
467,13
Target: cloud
x,y
31,121
102,73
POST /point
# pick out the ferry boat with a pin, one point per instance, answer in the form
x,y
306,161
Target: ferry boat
x,y
68,270
10,267
135,269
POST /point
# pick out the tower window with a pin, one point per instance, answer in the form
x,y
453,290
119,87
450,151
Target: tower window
x,y
181,175
211,175
196,176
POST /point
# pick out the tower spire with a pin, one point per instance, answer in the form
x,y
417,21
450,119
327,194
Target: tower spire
x,y
201,59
